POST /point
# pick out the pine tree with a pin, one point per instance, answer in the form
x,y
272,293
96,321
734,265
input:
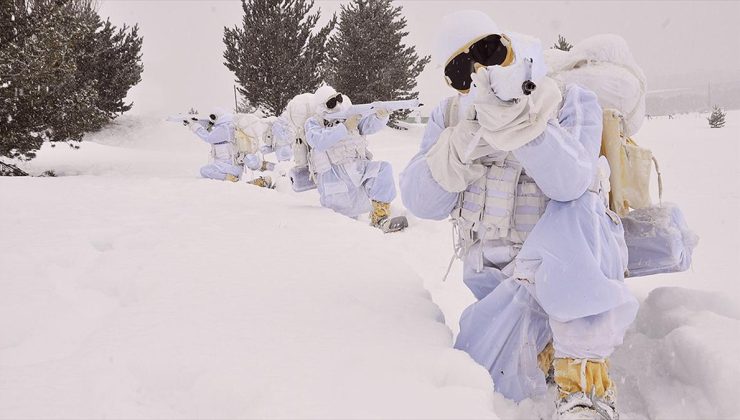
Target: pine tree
x,y
368,60
562,44
110,58
277,53
717,118
62,73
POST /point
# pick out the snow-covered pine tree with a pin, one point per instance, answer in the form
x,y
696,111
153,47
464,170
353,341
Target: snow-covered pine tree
x,y
36,66
58,79
368,59
276,53
562,44
717,118
112,61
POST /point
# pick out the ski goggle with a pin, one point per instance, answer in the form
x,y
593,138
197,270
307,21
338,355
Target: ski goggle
x,y
333,101
489,51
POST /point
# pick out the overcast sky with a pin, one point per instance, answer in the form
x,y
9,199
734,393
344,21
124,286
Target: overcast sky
x,y
677,43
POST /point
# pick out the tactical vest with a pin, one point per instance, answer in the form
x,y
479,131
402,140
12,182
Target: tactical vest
x,y
226,151
504,205
344,151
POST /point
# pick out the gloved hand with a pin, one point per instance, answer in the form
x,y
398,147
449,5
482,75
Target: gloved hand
x,y
382,113
352,123
452,158
194,126
481,87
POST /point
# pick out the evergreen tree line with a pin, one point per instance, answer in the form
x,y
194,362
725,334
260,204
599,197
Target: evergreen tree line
x,y
63,72
279,52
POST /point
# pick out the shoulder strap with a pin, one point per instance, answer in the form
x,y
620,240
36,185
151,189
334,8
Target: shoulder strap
x,y
451,111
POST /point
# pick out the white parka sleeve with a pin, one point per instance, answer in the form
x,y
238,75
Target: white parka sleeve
x,y
563,159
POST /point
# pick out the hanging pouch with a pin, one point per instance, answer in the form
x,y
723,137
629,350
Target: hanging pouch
x,y
658,241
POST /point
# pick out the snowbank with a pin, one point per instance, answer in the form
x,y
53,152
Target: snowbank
x,y
134,297
686,342
138,290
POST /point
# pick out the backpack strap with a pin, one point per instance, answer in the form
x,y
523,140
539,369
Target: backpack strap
x,y
452,111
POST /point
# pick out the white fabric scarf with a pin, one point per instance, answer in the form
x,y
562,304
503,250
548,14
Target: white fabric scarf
x,y
508,125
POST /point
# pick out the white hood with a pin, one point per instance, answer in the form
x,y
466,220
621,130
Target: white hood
x,y
459,30
323,94
222,115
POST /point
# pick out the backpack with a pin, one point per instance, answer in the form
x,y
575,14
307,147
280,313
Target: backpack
x,y
657,237
604,65
248,129
297,113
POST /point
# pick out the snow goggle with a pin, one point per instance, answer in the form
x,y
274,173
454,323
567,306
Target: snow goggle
x,y
489,51
333,101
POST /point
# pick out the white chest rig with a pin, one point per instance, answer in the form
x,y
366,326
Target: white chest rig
x,y
347,150
502,206
223,152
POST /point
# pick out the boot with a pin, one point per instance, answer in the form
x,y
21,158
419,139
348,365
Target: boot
x,y
584,390
263,181
544,360
267,166
380,218
232,178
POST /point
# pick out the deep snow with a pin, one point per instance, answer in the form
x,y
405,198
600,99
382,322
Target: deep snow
x,y
135,289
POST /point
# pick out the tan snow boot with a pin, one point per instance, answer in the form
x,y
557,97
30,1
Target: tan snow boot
x,y
544,360
585,390
263,181
232,178
381,218
380,211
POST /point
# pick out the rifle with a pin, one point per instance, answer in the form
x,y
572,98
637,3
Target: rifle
x,y
183,118
364,110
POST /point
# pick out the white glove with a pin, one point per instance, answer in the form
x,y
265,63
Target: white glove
x,y
352,123
481,87
194,126
382,113
451,159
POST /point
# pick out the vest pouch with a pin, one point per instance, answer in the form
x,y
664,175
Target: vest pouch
x,y
530,206
472,203
224,152
347,151
658,241
501,184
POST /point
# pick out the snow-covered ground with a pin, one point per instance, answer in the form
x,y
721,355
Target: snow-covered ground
x,y
130,288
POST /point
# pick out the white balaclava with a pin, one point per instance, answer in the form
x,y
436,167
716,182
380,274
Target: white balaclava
x,y
322,95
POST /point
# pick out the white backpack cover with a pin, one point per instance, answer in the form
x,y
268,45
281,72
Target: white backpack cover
x,y
657,237
604,65
248,130
298,111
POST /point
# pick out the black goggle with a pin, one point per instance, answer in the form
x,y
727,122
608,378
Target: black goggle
x,y
489,51
332,102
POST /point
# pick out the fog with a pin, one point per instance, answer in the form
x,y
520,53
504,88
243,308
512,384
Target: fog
x,y
678,44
